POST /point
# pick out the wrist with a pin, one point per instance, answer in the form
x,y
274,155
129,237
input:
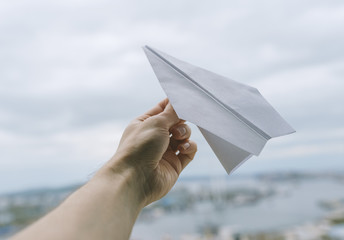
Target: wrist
x,y
119,179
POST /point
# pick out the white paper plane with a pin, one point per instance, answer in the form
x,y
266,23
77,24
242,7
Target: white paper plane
x,y
234,118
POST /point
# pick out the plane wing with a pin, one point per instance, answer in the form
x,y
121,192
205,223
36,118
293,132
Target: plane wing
x,y
234,118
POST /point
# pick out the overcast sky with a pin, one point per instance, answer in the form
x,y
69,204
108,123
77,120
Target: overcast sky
x,y
73,74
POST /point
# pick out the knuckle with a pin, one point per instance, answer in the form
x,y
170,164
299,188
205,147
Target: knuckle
x,y
157,121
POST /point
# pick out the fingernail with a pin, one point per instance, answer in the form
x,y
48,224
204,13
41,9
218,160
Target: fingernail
x,y
186,145
181,131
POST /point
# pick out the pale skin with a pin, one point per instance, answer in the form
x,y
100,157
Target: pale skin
x,y
152,153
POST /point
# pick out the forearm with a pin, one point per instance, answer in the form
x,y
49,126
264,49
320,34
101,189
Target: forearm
x,y
105,208
153,151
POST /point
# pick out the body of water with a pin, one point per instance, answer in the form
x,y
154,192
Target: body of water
x,y
294,203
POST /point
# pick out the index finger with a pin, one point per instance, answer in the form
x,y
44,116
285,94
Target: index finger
x,y
158,108
170,116
155,110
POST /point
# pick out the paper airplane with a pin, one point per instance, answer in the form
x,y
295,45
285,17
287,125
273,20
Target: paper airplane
x,y
234,118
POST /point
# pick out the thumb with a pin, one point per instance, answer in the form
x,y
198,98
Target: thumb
x,y
170,116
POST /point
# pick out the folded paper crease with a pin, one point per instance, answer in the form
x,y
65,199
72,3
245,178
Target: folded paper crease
x,y
234,118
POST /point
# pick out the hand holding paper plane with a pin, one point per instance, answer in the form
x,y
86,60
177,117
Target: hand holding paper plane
x,y
234,118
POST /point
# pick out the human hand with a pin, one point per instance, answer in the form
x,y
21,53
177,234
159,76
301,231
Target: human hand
x,y
146,165
155,157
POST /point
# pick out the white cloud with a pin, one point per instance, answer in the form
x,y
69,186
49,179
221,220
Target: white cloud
x,y
73,71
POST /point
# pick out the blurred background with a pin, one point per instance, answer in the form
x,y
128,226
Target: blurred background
x,y
73,74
